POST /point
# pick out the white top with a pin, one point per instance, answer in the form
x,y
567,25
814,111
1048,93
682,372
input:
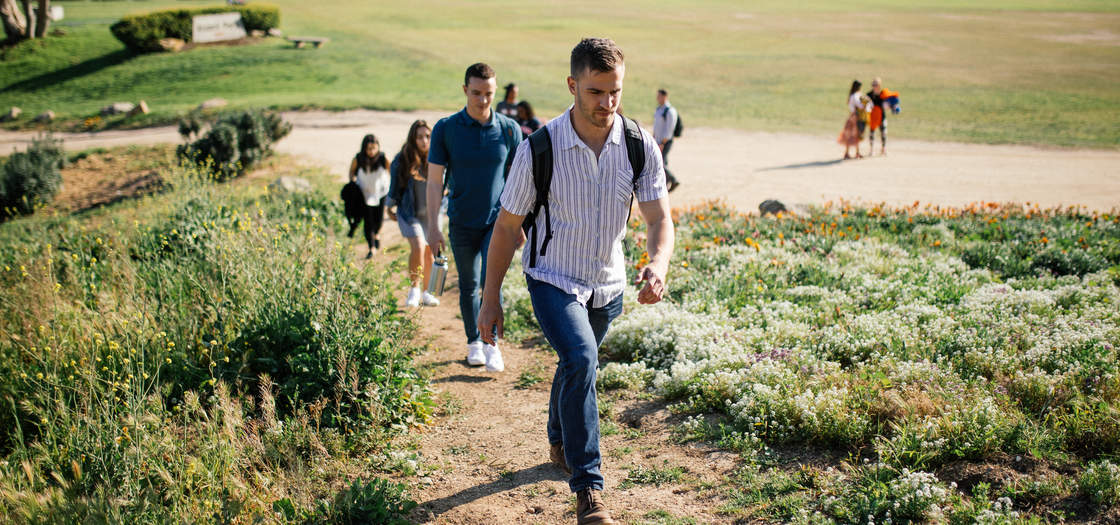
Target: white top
x,y
374,185
854,103
664,122
589,201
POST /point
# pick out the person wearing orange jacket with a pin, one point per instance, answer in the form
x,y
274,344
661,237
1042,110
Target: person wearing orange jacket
x,y
881,100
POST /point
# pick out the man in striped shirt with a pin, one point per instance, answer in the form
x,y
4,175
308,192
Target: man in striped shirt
x,y
576,288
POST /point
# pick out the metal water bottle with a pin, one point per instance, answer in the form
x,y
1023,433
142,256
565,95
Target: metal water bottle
x,y
439,275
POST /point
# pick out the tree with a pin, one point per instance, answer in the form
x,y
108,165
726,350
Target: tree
x,y
44,18
15,25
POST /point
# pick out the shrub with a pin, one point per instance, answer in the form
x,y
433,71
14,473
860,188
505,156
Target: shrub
x,y
31,178
235,143
378,501
143,32
1101,483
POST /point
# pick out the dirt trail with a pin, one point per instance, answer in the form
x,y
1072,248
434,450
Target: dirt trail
x,y
746,168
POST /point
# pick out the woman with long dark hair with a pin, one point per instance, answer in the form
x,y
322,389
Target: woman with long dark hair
x,y
508,105
527,118
370,169
408,194
852,134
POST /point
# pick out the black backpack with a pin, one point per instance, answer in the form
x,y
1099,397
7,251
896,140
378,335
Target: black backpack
x,y
679,128
540,144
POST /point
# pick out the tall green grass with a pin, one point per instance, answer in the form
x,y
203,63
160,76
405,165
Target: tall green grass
x,y
1013,71
200,355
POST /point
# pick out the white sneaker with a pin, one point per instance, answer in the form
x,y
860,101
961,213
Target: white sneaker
x,y
494,362
429,300
475,355
413,297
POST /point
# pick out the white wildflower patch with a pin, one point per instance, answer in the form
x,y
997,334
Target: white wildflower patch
x,y
917,494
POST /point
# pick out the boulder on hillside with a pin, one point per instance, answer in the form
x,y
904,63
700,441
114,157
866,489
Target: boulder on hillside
x,y
771,207
257,33
275,31
213,103
46,116
140,109
12,114
172,45
117,108
289,185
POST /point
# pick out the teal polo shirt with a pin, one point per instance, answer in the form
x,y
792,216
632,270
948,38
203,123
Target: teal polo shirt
x,y
477,157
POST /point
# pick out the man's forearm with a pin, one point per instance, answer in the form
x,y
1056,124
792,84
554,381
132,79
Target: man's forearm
x,y
659,242
503,244
434,193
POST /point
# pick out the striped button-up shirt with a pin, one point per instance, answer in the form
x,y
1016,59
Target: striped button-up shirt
x,y
589,201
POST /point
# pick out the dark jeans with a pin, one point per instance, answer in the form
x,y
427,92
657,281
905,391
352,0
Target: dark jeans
x,y
669,178
575,331
375,215
469,246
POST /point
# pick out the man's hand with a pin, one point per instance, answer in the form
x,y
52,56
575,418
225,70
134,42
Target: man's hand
x,y
490,322
392,213
435,239
654,289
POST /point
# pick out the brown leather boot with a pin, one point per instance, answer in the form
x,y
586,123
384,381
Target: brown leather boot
x,y
590,509
556,455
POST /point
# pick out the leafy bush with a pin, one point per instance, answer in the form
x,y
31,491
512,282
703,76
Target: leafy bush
x,y
1101,483
143,32
378,501
235,143
31,178
213,351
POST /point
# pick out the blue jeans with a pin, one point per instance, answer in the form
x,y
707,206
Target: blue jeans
x,y
469,246
575,331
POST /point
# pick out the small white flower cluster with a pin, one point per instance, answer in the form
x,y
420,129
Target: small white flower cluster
x,y
917,494
1101,482
1000,513
633,376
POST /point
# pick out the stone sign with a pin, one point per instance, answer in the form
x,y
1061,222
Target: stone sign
x,y
216,28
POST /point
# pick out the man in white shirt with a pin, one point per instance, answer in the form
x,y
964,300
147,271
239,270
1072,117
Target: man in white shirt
x,y
664,123
576,285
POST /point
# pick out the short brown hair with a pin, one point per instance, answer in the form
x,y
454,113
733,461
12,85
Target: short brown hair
x,y
479,70
595,54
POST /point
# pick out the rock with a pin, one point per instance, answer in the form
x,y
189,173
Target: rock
x,y
213,103
172,45
140,109
771,206
45,116
275,31
289,185
12,114
117,108
257,33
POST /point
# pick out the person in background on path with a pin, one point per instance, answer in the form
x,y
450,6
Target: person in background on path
x,y
370,169
576,285
527,118
408,194
508,105
852,134
878,118
664,122
476,147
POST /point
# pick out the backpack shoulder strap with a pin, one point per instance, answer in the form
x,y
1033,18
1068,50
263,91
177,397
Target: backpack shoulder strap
x,y
636,152
540,145
635,148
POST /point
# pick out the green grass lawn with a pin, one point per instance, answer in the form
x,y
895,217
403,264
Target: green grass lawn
x,y
1014,71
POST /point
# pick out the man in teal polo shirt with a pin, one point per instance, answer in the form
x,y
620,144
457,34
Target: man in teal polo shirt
x,y
474,147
